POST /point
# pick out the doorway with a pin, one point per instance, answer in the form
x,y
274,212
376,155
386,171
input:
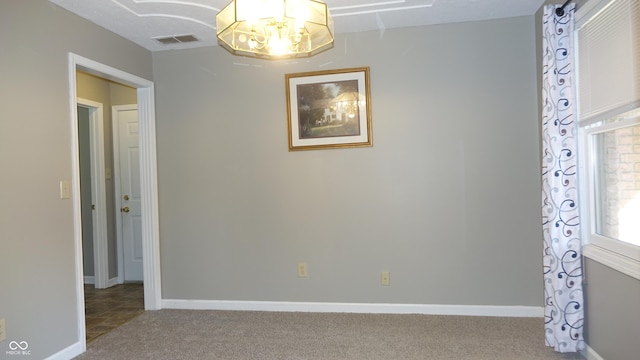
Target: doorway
x,y
148,183
111,296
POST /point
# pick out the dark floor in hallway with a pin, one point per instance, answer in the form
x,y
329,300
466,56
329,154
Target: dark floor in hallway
x,y
106,309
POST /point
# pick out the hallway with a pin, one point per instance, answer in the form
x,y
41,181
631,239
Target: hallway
x,y
106,309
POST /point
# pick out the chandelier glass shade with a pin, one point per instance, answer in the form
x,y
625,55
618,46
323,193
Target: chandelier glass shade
x,y
275,29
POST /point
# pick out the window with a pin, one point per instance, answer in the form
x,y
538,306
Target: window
x,y
608,40
617,182
612,179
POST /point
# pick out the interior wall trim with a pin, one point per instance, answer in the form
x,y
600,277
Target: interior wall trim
x,y
363,308
613,260
69,352
113,282
90,280
590,354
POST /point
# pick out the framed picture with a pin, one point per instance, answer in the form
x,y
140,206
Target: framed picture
x,y
329,109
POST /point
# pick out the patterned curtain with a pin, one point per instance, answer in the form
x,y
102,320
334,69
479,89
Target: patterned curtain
x,y
564,313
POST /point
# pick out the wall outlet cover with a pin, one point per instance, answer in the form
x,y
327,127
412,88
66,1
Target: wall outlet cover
x,y
385,278
3,330
303,270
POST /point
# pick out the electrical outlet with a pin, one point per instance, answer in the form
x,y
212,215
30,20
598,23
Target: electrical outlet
x,y
303,270
3,330
384,278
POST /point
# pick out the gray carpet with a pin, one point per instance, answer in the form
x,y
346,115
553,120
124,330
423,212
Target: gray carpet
x,y
199,334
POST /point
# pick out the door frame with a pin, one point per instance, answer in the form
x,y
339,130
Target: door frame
x,y
115,126
98,192
148,182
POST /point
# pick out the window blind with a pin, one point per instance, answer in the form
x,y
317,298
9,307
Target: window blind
x,y
609,61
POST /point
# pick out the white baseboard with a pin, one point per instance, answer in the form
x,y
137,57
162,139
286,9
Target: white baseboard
x,y
590,354
91,280
367,308
67,353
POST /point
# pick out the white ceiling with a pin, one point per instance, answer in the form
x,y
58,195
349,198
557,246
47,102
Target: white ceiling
x,y
142,21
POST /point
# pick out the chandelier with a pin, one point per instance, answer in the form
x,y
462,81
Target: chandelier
x,y
275,29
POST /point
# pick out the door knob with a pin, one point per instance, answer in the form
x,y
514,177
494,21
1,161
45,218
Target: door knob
x,y
126,197
125,209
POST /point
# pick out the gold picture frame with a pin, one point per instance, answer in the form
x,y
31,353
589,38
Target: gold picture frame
x,y
329,109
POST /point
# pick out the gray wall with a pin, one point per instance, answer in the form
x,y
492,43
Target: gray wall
x,y
612,319
447,199
37,271
109,94
612,316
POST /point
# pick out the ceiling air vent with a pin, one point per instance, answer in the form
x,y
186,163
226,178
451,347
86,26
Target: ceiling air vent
x,y
176,39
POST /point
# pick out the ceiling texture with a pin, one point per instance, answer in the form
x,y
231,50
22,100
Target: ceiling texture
x,y
187,24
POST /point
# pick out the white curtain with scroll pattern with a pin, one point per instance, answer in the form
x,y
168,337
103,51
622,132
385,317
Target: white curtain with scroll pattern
x,y
564,304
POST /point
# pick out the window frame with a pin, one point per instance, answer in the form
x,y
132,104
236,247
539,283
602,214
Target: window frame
x,y
616,254
620,255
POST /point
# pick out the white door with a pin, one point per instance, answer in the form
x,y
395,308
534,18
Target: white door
x,y
126,118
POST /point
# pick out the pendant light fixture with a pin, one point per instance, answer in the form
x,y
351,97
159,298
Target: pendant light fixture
x,y
275,29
